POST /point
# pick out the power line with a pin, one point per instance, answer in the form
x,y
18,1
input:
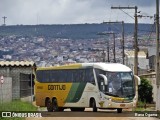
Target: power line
x,y
114,51
135,37
122,42
127,14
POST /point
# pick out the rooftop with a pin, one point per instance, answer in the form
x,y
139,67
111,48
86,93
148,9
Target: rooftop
x,y
131,53
17,63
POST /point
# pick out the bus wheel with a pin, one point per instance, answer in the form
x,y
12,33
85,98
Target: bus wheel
x,y
55,105
77,109
119,110
60,109
49,106
81,109
73,109
94,106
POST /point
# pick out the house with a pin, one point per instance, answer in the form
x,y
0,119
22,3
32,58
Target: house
x,y
143,62
18,78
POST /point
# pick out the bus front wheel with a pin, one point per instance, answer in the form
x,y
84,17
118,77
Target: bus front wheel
x,y
94,106
49,106
60,109
119,110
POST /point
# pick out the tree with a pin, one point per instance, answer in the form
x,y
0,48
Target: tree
x,y
145,91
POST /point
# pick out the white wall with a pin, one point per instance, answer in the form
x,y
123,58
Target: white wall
x,y
142,62
158,99
6,90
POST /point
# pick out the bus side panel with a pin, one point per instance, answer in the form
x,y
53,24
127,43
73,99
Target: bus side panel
x,y
81,96
59,91
72,95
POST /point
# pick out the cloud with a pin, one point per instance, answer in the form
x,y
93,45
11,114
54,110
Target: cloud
x,y
141,3
65,11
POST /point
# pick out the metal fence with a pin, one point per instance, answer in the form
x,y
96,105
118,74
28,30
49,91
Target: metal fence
x,y
26,87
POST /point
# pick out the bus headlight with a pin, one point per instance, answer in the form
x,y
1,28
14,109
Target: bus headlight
x,y
110,99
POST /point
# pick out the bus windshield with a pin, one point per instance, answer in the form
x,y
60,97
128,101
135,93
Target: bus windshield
x,y
120,84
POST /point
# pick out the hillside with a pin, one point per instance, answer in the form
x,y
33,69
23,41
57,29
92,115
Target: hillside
x,y
74,31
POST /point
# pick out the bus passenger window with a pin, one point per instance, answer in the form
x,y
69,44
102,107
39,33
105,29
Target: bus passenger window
x,y
89,76
69,76
52,76
47,76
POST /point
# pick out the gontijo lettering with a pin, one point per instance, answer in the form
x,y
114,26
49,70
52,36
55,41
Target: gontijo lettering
x,y
56,87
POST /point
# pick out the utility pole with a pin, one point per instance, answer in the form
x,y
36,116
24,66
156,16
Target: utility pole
x,y
4,19
157,56
122,22
135,37
123,41
114,49
108,50
103,56
136,44
107,46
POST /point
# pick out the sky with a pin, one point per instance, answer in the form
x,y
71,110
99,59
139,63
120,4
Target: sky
x,y
33,12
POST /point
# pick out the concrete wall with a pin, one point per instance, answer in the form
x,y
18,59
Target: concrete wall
x,y
143,63
158,99
6,90
14,73
153,83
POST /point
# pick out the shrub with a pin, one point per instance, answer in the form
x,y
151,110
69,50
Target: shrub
x,y
145,91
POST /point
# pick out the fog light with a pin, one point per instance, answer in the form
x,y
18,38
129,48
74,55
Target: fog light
x,y
133,105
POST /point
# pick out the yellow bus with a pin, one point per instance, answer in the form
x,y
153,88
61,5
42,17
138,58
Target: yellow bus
x,y
86,85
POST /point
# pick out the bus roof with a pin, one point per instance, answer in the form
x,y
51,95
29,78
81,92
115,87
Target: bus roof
x,y
112,67
69,66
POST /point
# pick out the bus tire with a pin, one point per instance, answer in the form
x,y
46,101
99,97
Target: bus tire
x,y
81,109
55,105
60,109
73,109
94,106
49,106
119,110
77,109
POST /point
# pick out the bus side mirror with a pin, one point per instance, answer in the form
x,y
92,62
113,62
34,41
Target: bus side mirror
x,y
137,79
104,78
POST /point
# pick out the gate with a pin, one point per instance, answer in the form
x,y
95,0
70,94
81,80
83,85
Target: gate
x,y
25,85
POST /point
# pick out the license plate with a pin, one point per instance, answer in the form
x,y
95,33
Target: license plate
x,y
122,105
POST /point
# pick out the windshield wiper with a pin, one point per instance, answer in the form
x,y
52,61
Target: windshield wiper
x,y
107,93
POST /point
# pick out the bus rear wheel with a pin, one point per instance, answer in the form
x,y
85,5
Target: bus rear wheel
x,y
77,109
119,110
94,106
60,109
55,105
49,106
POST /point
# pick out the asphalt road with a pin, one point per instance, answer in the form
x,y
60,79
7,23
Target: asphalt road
x,y
89,115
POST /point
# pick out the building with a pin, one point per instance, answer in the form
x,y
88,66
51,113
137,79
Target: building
x,y
20,73
143,62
